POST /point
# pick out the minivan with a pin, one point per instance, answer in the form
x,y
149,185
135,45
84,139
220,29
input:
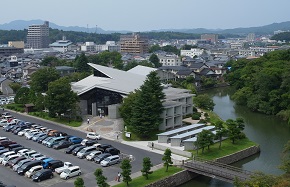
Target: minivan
x,y
55,164
110,160
71,172
112,151
45,162
85,151
27,166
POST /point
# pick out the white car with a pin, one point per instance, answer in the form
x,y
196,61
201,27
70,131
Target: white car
x,y
5,155
29,133
22,152
21,133
94,136
3,122
32,171
71,172
7,159
65,166
93,154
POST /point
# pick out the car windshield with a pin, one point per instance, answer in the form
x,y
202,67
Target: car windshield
x,y
107,159
66,171
82,151
37,174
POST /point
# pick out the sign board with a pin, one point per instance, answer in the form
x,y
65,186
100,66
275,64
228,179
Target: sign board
x,y
128,134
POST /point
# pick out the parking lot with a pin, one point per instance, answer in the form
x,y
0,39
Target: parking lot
x,y
87,167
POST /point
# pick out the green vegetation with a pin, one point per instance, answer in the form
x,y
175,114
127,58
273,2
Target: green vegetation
x,y
155,176
227,149
126,171
204,139
141,110
16,107
147,164
203,101
263,84
69,122
79,182
101,179
167,158
282,36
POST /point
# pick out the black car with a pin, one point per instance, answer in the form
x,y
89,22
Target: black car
x,y
1,147
11,163
8,128
101,157
112,151
27,166
91,142
76,150
62,144
12,146
103,147
16,149
70,149
42,175
55,164
39,140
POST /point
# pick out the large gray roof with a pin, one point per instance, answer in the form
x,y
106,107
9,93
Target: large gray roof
x,y
118,81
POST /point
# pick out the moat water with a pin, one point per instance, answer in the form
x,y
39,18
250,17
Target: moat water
x,y
270,132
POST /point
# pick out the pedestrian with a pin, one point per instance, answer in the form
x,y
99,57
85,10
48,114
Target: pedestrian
x,y
119,176
152,145
88,120
117,136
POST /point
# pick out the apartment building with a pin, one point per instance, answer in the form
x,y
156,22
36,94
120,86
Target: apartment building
x,y
38,36
193,52
134,44
169,60
212,37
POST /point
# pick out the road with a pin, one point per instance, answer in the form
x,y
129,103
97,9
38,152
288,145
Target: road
x,y
88,168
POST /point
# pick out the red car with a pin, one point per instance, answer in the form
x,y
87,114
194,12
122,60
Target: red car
x,y
6,143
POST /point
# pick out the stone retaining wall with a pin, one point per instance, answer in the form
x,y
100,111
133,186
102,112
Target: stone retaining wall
x,y
174,180
235,157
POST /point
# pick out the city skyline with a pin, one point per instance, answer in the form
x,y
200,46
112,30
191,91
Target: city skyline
x,y
148,15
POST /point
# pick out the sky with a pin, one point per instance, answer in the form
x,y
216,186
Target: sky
x,y
146,15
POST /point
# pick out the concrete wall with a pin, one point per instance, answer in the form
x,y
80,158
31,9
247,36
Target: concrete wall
x,y
174,180
175,151
113,111
83,107
175,142
235,157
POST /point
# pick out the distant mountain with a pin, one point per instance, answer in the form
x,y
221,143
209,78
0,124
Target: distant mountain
x,y
267,29
23,24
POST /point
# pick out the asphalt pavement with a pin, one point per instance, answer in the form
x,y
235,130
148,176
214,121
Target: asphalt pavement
x,y
88,168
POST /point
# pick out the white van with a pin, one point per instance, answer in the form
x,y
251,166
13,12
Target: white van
x,y
110,160
71,172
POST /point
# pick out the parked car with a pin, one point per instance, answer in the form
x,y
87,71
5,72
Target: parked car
x,y
37,156
62,144
22,152
55,164
70,149
42,175
92,155
54,141
111,160
46,140
3,122
7,159
112,151
11,146
15,161
45,162
40,139
65,166
94,136
22,132
29,153
75,140
5,155
27,166
101,157
76,150
34,138
32,171
71,172
103,147
84,152
16,166
17,149
6,143
88,142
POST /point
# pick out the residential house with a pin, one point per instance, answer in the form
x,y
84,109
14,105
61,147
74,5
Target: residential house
x,y
28,70
4,86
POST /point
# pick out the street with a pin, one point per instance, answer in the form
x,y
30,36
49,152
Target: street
x,y
87,167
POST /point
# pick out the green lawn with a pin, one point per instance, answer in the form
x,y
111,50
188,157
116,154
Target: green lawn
x,y
227,148
64,121
155,176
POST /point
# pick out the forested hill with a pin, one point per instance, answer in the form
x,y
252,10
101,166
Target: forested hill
x,y
74,36
263,84
282,36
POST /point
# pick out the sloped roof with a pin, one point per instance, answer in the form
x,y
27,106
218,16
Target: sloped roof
x,y
118,81
141,70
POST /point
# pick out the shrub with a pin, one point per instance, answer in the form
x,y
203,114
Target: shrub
x,y
194,109
206,115
202,121
195,117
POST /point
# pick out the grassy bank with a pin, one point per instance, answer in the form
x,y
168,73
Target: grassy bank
x,y
227,148
155,176
64,121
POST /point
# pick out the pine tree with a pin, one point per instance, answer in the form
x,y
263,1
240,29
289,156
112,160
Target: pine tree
x,y
126,171
167,158
81,63
79,182
101,179
148,107
146,167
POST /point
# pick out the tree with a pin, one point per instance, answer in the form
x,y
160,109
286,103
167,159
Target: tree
x,y
235,128
101,179
221,131
42,77
147,107
15,86
286,158
154,48
155,60
127,107
81,63
49,61
79,182
204,101
126,171
22,96
146,167
204,139
60,97
167,158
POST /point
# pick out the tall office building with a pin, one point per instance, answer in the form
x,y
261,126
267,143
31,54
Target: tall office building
x,y
38,36
134,44
251,37
212,37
